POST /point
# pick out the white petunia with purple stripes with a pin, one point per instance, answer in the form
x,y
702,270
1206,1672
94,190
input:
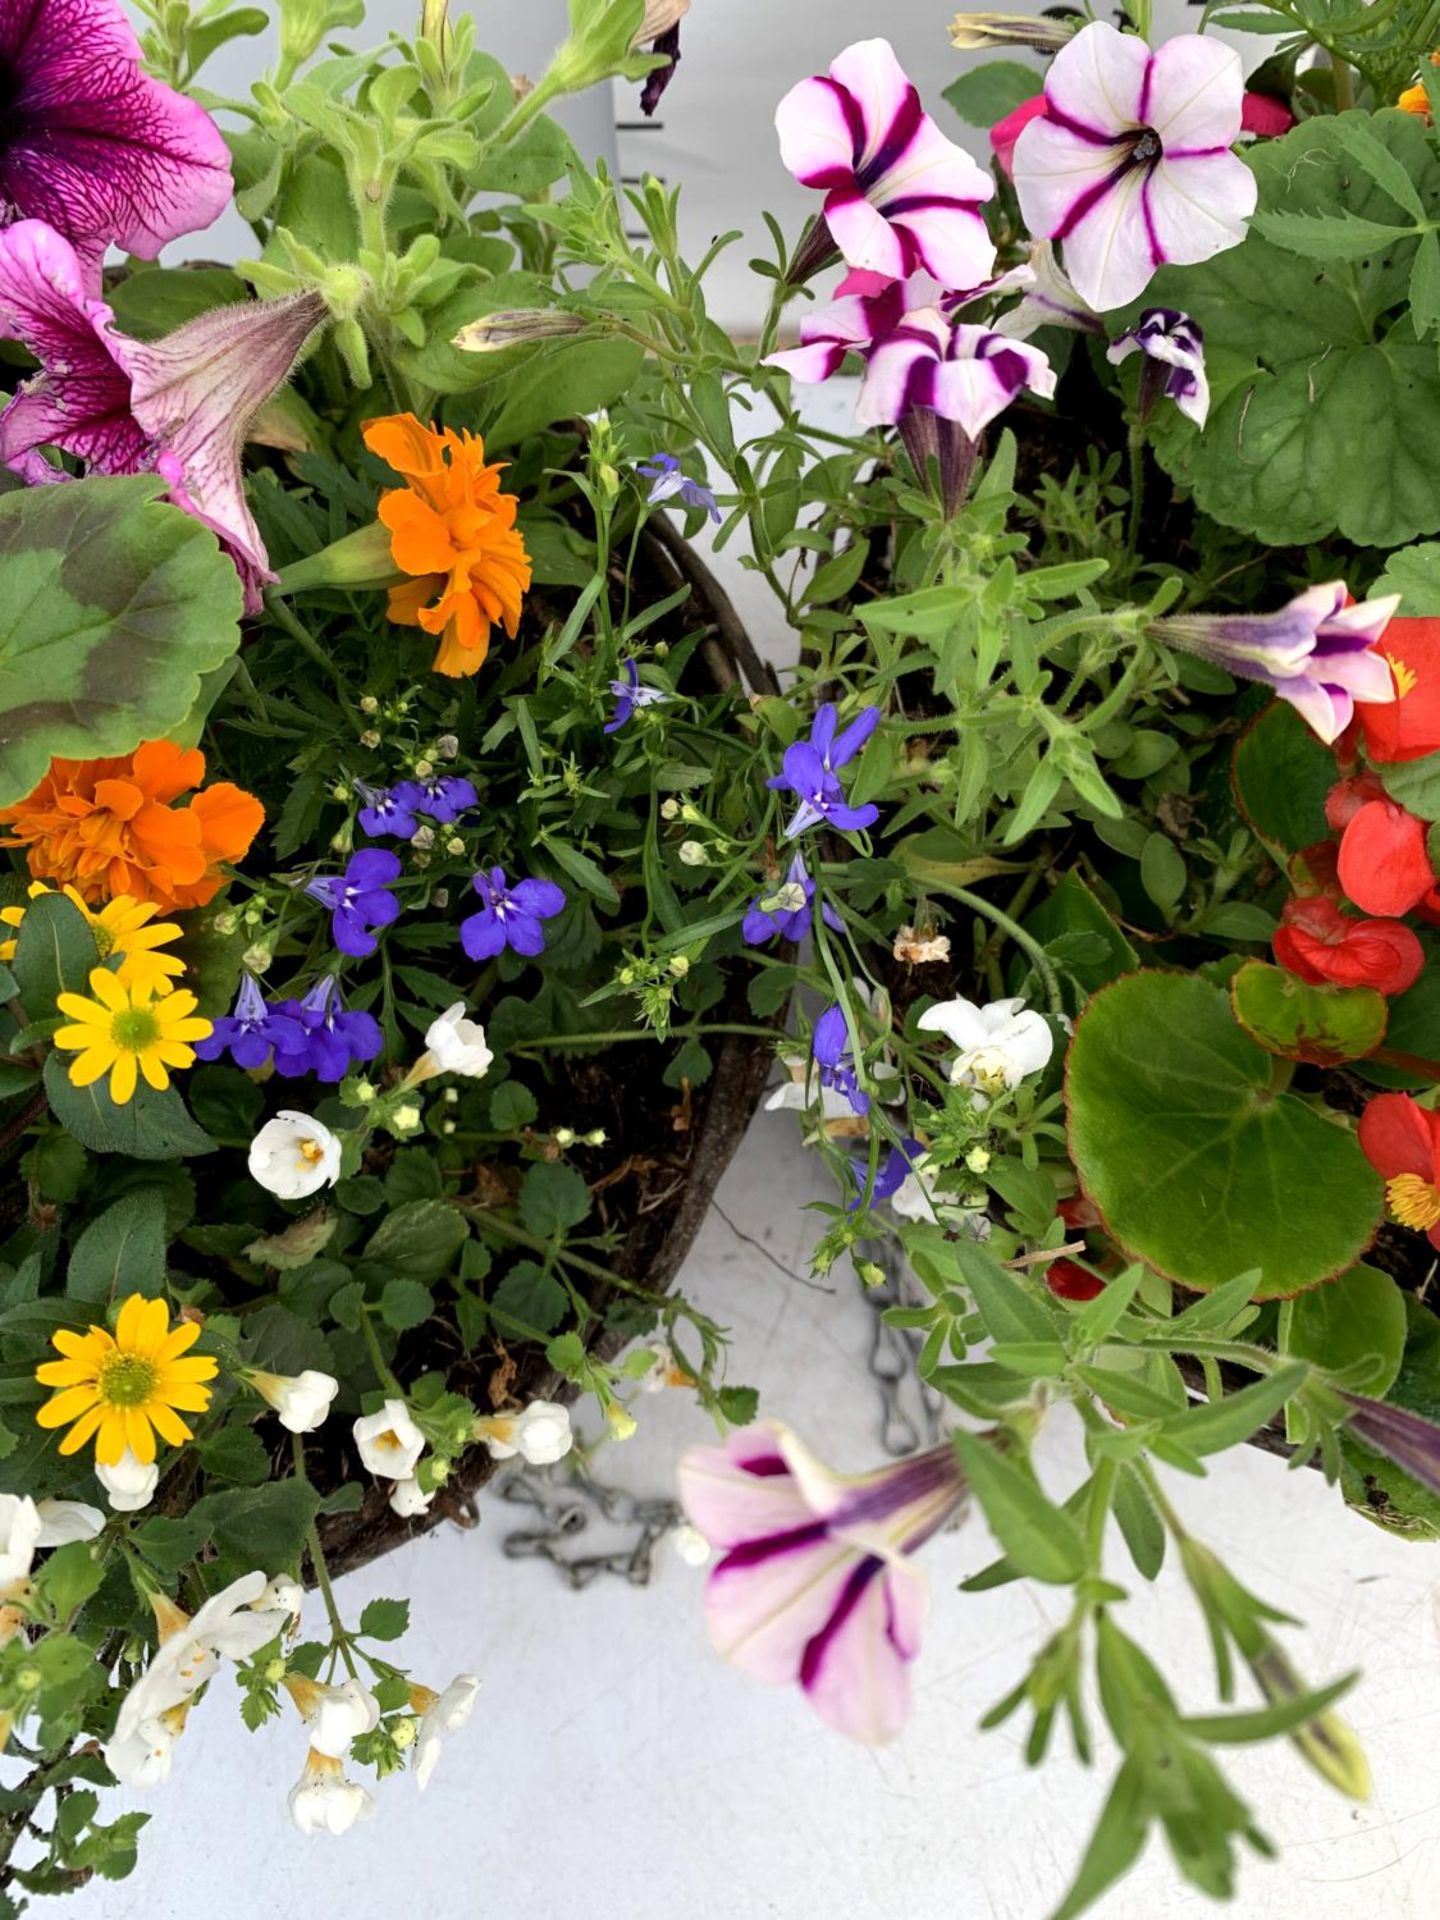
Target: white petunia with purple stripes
x,y
1174,348
899,196
1130,167
816,1585
962,373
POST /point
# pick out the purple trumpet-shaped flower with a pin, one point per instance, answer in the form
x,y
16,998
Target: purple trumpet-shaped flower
x,y
830,1047
1174,348
359,899
899,196
630,696
1407,1438
178,406
509,916
855,323
809,771
890,1175
250,1032
328,1038
788,912
961,373
441,797
1130,167
816,1584
90,143
386,814
669,482
1047,299
1317,653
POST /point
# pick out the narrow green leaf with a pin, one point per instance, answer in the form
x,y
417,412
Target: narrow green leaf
x,y
1035,1534
1226,1423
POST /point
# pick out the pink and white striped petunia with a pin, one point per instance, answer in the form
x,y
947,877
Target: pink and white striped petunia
x,y
899,196
962,373
1174,348
852,324
816,1584
1130,165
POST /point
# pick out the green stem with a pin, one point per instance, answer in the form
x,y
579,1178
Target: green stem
x,y
616,1035
338,1631
280,612
1344,86
1137,492
537,1243
377,1358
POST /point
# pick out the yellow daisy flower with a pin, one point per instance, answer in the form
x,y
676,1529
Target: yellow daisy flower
x,y
125,1032
121,1388
122,927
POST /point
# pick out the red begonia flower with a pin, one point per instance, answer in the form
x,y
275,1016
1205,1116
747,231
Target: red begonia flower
x,y
1384,866
1401,1140
1408,727
1067,1281
1323,946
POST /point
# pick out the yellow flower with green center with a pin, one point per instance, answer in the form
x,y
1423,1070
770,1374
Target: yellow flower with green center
x,y
126,1031
121,1388
123,927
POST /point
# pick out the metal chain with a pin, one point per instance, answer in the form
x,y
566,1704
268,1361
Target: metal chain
x,y
566,1499
894,1352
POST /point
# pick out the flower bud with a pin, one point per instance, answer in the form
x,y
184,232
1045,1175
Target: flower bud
x,y
564,1136
596,1137
516,327
424,769
369,704
692,854
978,1159
226,922
669,809
978,32
446,747
370,738
455,845
257,958
405,1119
679,966
363,1092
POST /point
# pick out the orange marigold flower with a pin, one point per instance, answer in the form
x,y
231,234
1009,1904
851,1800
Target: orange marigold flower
x,y
107,827
454,531
1415,100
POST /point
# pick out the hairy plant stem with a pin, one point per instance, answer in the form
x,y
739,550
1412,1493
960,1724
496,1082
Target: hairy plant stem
x,y
338,1631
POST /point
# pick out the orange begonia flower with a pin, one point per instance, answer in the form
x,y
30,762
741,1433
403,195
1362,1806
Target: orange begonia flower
x,y
454,531
107,827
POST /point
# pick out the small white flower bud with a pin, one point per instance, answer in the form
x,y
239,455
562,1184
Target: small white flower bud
x,y
370,738
423,837
978,1159
596,1137
669,809
692,854
455,845
446,747
424,769
369,704
405,1119
564,1136
226,922
257,958
364,1092
679,966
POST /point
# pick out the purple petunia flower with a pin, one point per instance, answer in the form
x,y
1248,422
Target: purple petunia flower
x,y
509,916
630,695
890,1175
359,899
809,772
669,483
387,813
250,1032
1174,348
443,797
178,406
789,911
91,144
327,1037
830,1045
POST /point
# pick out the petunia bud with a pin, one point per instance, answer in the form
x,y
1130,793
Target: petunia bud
x,y
978,32
517,327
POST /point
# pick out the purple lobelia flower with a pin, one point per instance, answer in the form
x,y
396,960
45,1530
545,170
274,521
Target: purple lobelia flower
x,y
630,695
830,1047
1174,348
669,482
899,196
809,771
1130,164
509,916
788,912
178,406
1317,653
442,796
890,1175
250,1032
328,1038
816,1584
90,143
359,899
386,814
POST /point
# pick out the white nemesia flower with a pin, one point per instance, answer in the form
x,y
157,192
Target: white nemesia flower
x,y
389,1442
293,1156
141,1756
998,1045
333,1716
62,1521
129,1483
20,1527
408,1498
302,1400
324,1801
539,1433
917,1198
283,1596
457,1044
440,1713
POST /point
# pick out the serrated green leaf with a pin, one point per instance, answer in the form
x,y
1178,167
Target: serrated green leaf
x,y
150,1126
121,1253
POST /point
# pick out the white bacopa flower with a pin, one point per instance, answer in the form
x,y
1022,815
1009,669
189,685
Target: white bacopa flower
x,y
189,1654
282,1596
129,1483
440,1714
457,1044
389,1442
293,1156
408,1498
62,1521
302,1400
324,1801
918,1198
333,1716
20,1527
141,1755
998,1045
539,1434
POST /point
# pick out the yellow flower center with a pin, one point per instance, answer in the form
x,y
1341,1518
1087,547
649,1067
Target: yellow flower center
x,y
127,1380
311,1152
1405,677
134,1029
1413,1201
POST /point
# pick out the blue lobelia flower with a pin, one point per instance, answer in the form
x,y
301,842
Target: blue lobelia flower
x,y
891,1173
830,1045
359,899
668,482
509,916
789,911
329,1038
809,772
443,797
629,695
250,1032
387,812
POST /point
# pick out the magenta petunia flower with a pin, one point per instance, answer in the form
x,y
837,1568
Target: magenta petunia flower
x,y
816,1584
178,406
91,144
1130,165
899,196
855,323
962,373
